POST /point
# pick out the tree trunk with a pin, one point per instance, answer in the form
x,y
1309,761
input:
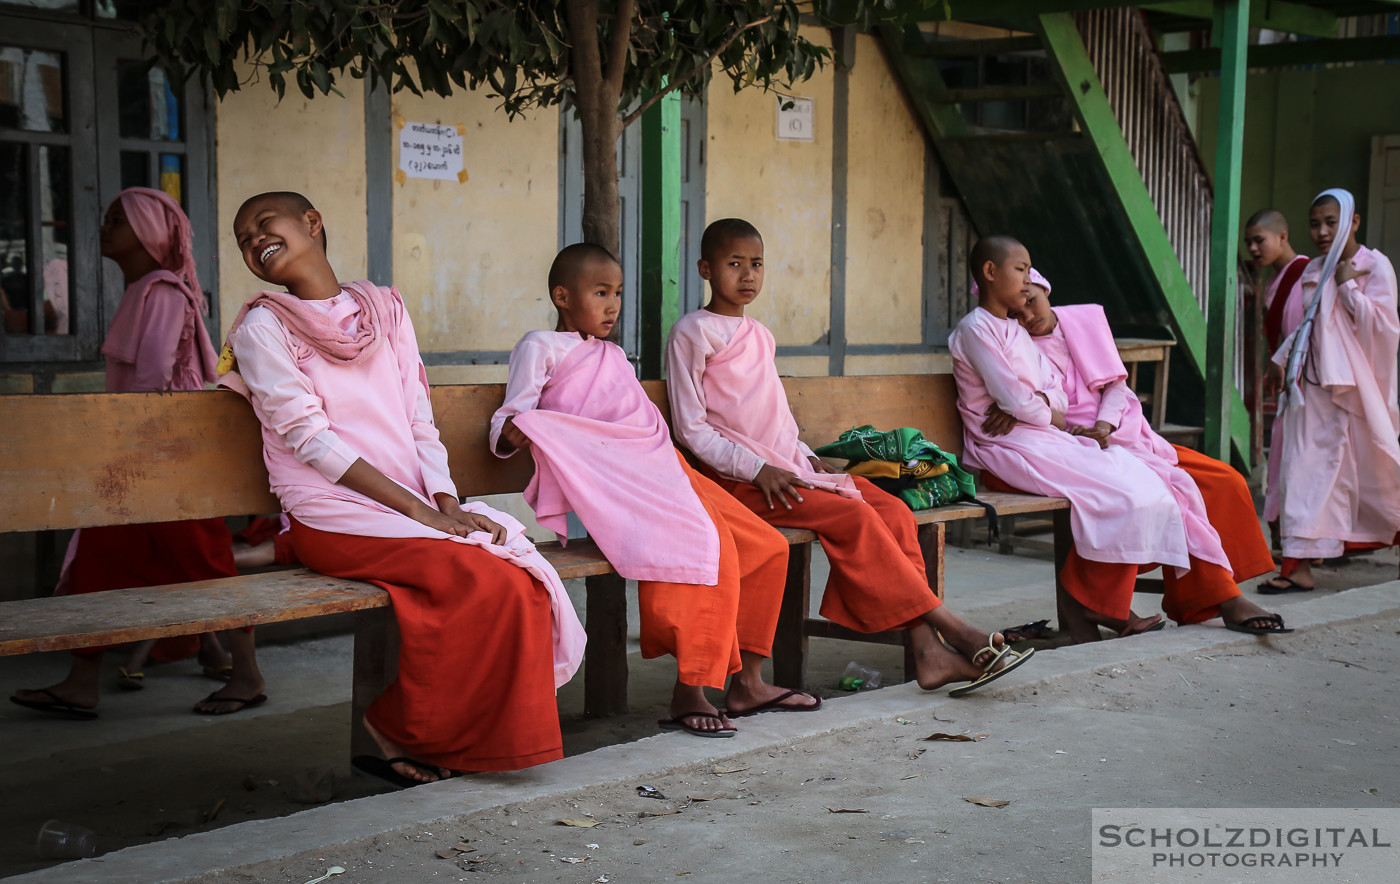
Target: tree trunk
x,y
602,203
597,93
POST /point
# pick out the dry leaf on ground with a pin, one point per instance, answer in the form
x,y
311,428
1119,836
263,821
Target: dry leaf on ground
x,y
579,824
844,810
987,802
958,738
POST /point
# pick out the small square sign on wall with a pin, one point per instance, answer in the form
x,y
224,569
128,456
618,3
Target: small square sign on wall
x,y
795,119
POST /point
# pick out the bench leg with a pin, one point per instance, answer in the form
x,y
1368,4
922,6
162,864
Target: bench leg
x,y
1007,545
790,641
376,666
605,661
1063,540
933,543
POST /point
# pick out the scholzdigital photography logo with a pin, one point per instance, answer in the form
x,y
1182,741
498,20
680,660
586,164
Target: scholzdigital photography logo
x,y
1245,844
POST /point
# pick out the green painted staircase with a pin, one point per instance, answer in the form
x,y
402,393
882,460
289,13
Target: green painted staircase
x,y
1067,183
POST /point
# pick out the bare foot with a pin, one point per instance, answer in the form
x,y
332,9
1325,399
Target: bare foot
x,y
964,638
79,688
935,664
212,656
691,707
233,696
1239,609
748,690
1134,625
390,749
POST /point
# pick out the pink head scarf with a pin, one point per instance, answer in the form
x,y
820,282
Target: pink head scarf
x,y
1035,279
164,230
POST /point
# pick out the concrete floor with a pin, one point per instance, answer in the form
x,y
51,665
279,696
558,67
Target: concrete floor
x,y
149,770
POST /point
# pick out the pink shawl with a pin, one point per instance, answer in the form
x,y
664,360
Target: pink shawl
x,y
316,329
163,230
746,403
603,451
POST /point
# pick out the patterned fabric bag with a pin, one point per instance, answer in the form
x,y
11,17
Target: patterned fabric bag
x,y
905,464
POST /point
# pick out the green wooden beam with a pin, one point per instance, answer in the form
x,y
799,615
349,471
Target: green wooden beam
x,y
1232,38
1287,55
1075,70
661,230
1293,18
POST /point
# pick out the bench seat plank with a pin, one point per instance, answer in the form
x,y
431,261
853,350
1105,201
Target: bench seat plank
x,y
66,622
1005,503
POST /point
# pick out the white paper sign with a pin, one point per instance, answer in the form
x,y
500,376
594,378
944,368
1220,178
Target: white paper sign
x,y
431,150
795,119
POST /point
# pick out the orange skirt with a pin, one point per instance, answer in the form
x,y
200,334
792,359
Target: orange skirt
x,y
705,627
475,688
878,580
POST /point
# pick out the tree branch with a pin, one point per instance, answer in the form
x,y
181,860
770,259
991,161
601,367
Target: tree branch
x,y
679,81
621,37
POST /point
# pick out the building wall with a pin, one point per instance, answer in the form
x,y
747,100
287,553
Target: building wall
x,y
471,258
884,206
784,189
315,147
1305,131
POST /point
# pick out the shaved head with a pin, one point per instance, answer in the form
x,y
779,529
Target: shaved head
x,y
1326,199
1268,219
288,201
995,248
572,261
723,231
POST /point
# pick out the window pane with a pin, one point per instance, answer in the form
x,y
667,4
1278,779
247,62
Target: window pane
x,y
55,235
147,105
55,5
31,90
136,169
126,10
172,176
14,239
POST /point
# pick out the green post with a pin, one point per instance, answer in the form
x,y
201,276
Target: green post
x,y
661,230
1231,34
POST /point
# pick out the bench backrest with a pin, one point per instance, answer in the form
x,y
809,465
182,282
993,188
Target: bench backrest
x,y
71,461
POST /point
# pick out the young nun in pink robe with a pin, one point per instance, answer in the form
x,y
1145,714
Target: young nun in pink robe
x,y
710,573
1121,513
1339,475
728,406
334,374
157,343
1266,237
1222,531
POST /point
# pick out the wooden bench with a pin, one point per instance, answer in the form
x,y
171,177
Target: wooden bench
x,y
103,459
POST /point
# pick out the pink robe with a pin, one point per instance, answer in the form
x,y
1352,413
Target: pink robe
x,y
157,341
603,451
319,417
1120,511
1339,476
728,404
1292,316
1082,339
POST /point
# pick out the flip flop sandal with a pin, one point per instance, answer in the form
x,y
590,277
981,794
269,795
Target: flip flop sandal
x,y
1268,588
991,648
987,677
776,705
1245,627
1026,632
678,724
383,769
57,707
242,704
218,673
130,681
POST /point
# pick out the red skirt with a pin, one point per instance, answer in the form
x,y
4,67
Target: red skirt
x,y
153,554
